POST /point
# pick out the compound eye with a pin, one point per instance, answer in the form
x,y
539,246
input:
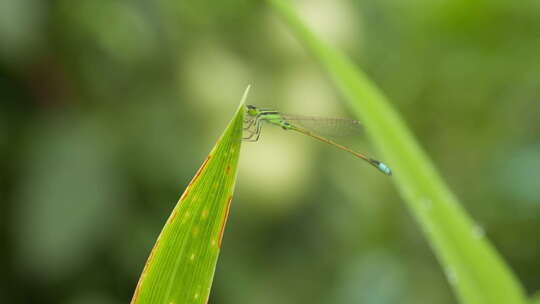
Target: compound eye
x,y
250,107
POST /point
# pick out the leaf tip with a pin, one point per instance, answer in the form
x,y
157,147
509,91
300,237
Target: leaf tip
x,y
244,97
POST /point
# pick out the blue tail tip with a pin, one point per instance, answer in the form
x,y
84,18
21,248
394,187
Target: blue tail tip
x,y
382,167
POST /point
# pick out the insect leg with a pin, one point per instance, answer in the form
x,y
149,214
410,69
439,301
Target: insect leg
x,y
256,132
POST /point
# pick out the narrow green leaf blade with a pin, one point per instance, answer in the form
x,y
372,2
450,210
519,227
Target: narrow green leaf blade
x,y
181,266
473,267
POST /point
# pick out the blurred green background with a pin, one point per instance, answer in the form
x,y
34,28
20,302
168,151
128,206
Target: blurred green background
x,y
109,107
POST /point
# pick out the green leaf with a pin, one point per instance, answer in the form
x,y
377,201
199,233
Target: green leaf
x,y
473,267
181,266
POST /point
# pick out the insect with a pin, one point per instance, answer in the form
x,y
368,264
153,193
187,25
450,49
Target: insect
x,y
256,117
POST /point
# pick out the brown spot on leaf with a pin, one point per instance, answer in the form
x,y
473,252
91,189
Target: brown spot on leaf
x,y
228,169
186,192
173,216
151,254
141,279
136,294
200,169
224,221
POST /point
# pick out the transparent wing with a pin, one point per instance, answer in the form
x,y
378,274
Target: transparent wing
x,y
334,127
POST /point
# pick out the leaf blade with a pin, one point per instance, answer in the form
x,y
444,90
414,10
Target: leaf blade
x,y
181,265
475,270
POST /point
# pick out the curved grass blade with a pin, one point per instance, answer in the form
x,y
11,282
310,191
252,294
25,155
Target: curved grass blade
x,y
181,266
474,269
